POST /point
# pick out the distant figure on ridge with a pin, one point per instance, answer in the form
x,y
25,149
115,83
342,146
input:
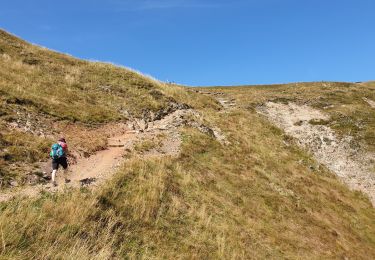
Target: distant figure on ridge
x,y
58,156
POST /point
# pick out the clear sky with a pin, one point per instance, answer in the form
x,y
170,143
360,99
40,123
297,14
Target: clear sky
x,y
208,42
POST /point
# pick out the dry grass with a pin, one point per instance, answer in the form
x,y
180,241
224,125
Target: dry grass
x,y
350,114
87,140
259,198
57,87
18,152
146,145
76,90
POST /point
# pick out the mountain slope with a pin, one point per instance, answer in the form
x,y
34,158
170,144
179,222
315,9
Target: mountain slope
x,y
335,121
256,196
43,93
72,89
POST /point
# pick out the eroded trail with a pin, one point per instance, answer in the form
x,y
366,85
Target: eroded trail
x,y
93,170
228,103
160,137
99,166
87,171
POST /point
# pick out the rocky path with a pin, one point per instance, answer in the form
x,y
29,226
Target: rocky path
x,y
224,100
99,166
86,171
102,165
92,171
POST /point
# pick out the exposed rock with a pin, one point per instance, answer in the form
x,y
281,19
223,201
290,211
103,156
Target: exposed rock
x,y
370,102
188,117
141,124
25,121
341,155
131,125
13,183
87,181
125,113
162,127
34,179
105,88
150,116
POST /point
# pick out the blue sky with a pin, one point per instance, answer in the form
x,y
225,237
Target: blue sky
x,y
207,42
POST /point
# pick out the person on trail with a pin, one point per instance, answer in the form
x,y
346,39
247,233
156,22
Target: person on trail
x,y
58,154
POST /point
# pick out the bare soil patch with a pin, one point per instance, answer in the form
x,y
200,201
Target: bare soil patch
x,y
162,135
340,154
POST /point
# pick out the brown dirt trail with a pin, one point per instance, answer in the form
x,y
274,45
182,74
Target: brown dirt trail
x,y
93,170
86,171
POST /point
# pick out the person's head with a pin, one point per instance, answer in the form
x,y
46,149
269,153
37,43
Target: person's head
x,y
62,139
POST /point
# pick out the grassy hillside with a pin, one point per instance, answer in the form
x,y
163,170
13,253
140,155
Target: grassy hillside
x,y
42,92
260,197
345,103
67,88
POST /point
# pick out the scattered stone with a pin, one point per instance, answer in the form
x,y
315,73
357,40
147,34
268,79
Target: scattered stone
x,y
30,122
370,102
106,88
13,183
87,181
131,125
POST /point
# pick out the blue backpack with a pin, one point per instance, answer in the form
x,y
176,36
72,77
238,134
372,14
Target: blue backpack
x,y
57,151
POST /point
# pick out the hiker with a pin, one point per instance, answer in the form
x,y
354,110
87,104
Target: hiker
x,y
58,155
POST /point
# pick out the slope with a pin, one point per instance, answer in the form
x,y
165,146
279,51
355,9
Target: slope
x,y
334,121
257,196
45,94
